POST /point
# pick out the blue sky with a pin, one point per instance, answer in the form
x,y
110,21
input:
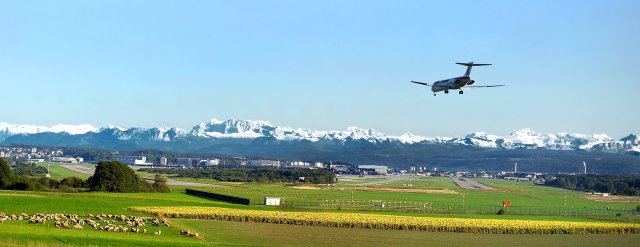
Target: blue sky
x,y
569,66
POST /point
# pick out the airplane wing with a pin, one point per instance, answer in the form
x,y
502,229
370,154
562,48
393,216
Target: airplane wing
x,y
485,86
421,83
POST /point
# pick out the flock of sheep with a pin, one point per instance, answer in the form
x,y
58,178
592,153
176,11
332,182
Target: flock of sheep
x,y
133,224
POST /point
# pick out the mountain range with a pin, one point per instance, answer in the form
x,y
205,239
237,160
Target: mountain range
x,y
263,139
217,130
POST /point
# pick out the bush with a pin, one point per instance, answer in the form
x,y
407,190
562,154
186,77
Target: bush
x,y
145,186
48,183
160,184
24,183
73,182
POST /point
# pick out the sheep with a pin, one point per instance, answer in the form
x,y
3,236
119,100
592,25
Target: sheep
x,y
77,227
157,233
190,234
155,222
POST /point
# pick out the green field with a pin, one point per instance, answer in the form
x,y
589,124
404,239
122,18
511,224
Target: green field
x,y
520,194
257,234
261,234
236,233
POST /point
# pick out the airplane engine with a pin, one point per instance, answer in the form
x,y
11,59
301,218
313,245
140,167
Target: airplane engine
x,y
470,82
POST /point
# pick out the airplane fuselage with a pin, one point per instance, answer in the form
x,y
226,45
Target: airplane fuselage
x,y
453,83
456,83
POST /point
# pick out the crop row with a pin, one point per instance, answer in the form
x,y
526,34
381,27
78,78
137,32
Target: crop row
x,y
393,222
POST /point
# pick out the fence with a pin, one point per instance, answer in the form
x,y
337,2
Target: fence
x,y
220,197
438,207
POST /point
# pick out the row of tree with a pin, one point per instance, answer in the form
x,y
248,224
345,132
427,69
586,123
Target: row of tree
x,y
111,176
622,185
261,175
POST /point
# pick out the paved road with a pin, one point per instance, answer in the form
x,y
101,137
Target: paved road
x,y
90,171
466,183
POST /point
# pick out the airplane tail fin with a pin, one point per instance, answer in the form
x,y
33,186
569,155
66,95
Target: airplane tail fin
x,y
471,64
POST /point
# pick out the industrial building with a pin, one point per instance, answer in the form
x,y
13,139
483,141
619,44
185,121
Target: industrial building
x,y
209,163
185,162
373,169
131,160
275,163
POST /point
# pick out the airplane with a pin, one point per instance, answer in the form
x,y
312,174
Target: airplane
x,y
456,82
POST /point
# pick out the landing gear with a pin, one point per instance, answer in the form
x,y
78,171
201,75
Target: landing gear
x,y
434,94
446,91
460,92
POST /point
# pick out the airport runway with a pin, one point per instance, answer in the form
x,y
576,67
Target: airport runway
x,y
466,183
90,171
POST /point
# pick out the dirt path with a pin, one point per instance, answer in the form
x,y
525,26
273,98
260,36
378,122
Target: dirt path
x,y
466,183
90,171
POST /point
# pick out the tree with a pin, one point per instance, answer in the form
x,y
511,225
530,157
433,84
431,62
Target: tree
x,y
6,175
160,184
114,176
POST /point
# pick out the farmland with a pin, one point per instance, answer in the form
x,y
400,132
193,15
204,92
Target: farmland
x,y
250,233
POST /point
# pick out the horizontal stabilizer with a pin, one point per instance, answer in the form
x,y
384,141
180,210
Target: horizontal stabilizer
x,y
421,83
474,64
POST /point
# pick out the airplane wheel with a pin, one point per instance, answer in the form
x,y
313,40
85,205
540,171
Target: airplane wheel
x,y
461,92
446,91
434,94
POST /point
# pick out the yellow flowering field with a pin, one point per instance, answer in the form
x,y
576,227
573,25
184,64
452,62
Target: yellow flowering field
x,y
392,222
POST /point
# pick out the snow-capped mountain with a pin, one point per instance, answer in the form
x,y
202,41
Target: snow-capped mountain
x,y
16,129
217,131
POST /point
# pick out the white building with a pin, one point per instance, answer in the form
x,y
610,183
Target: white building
x,y
271,201
207,163
264,163
163,161
373,169
131,160
299,163
64,160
